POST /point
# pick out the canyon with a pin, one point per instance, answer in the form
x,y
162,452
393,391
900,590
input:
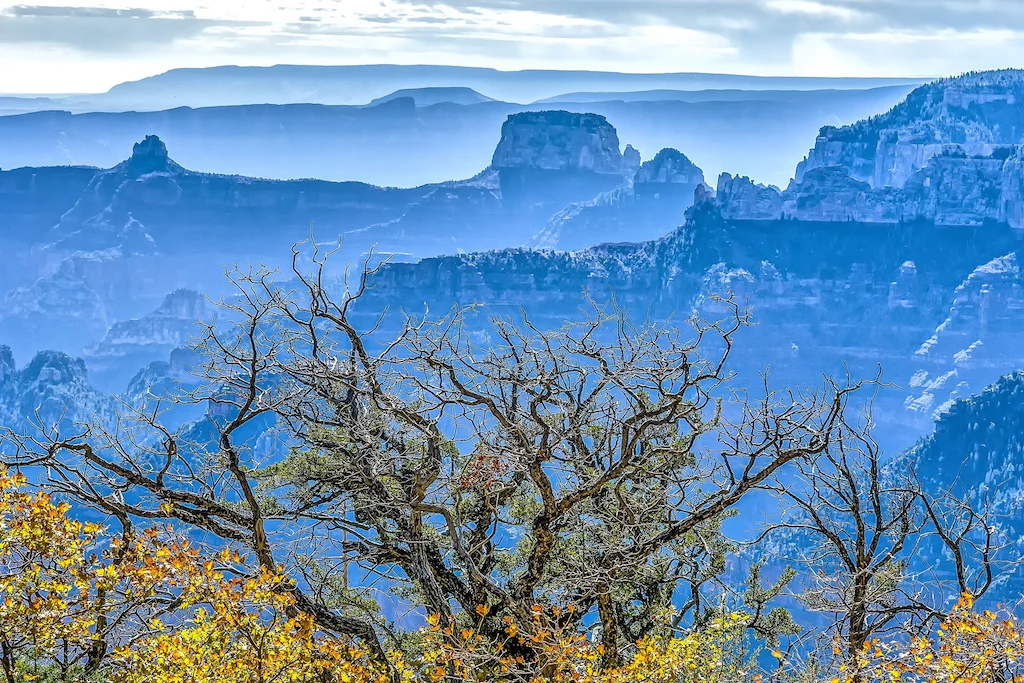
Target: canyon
x,y
850,269
93,246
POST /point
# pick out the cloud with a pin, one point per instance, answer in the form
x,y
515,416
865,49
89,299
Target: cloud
x,y
767,31
93,12
769,37
812,8
102,29
431,20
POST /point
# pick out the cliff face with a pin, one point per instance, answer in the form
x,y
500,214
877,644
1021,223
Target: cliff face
x,y
149,205
180,210
743,199
979,443
950,154
558,141
978,113
128,344
650,206
53,388
824,296
669,167
546,164
129,234
950,189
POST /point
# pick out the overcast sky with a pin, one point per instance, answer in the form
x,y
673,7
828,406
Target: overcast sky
x,y
61,48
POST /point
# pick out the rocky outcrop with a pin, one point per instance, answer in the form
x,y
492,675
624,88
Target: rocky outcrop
x,y
651,206
558,141
743,199
630,161
150,203
7,367
1012,190
67,308
952,189
981,335
950,155
955,189
830,195
978,113
548,165
669,167
150,156
53,390
132,343
170,326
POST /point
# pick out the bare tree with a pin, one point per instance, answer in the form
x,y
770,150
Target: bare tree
x,y
883,553
457,465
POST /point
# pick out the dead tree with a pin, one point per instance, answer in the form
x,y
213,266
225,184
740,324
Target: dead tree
x,y
883,554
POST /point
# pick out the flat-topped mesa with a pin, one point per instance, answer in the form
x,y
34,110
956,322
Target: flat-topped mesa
x,y
558,141
979,114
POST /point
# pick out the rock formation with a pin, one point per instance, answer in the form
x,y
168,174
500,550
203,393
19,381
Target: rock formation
x,y
670,166
630,161
53,389
149,206
978,442
969,348
148,225
131,343
951,189
950,154
545,164
150,202
651,206
826,296
558,141
978,113
743,199
845,269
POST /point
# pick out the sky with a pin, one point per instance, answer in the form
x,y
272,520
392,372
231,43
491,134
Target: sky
x,y
73,48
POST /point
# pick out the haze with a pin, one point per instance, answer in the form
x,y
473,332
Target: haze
x,y
73,48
